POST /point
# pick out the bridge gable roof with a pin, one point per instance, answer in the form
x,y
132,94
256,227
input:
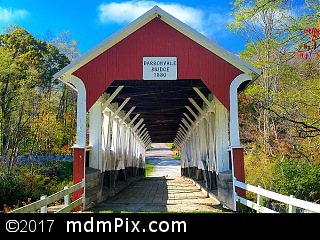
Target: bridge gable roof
x,y
157,33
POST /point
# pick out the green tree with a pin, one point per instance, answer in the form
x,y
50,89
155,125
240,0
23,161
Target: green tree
x,y
66,45
279,117
67,114
264,26
299,179
25,83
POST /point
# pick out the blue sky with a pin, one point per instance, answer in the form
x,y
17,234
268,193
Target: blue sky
x,y
92,21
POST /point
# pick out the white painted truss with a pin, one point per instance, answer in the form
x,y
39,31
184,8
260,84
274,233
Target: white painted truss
x,y
116,143
204,142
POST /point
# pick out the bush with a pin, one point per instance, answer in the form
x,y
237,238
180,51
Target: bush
x,y
11,190
63,170
300,179
29,182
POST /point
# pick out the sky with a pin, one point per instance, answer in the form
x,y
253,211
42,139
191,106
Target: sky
x,y
92,21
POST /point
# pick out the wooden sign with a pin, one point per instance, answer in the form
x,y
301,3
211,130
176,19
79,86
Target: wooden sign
x,y
159,68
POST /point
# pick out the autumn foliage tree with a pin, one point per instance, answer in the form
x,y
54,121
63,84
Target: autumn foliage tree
x,y
310,49
279,113
37,115
30,122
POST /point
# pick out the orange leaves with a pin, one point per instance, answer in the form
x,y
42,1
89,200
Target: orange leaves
x,y
66,149
314,33
306,51
303,55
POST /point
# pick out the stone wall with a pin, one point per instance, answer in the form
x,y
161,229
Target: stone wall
x,y
225,189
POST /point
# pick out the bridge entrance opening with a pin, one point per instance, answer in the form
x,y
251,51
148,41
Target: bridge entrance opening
x,y
157,81
161,103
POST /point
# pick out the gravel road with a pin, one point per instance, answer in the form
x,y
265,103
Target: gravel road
x,y
161,156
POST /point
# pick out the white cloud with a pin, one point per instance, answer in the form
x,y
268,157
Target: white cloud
x,y
8,14
217,23
127,11
200,20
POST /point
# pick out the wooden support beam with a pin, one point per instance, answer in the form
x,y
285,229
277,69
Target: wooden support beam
x,y
144,136
186,124
183,128
148,143
181,133
147,139
177,143
187,116
180,143
196,106
210,105
178,138
140,128
192,112
113,95
127,115
135,117
137,125
182,136
143,132
119,108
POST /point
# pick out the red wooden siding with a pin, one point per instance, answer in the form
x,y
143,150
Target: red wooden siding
x,y
238,164
78,172
123,61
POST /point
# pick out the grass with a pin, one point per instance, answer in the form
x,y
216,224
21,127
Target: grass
x,y
149,169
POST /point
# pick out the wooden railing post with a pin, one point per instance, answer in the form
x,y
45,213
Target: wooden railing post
x,y
260,200
44,208
292,209
66,197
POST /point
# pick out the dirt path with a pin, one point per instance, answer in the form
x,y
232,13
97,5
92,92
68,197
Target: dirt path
x,y
161,156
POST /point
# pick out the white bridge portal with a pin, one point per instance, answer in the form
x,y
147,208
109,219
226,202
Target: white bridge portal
x,y
157,81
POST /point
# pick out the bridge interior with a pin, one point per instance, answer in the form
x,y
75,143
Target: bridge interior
x,y
161,103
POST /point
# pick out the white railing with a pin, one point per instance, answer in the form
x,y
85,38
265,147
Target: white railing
x,y
42,204
291,202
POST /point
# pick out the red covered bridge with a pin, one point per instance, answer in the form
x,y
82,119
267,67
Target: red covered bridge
x,y
155,81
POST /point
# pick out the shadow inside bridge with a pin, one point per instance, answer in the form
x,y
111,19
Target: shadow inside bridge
x,y
160,194
165,190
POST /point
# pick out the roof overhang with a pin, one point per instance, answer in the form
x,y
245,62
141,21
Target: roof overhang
x,y
162,104
157,12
